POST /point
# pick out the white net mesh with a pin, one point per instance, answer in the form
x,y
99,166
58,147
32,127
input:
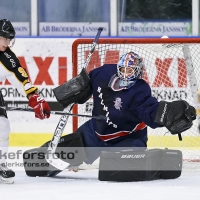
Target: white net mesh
x,y
172,71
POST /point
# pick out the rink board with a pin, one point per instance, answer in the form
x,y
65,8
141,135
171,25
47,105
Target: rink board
x,y
37,139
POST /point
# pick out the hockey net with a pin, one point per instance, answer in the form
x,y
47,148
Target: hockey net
x,y
172,69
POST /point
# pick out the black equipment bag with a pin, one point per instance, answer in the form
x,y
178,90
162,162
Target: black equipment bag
x,y
129,166
76,90
70,149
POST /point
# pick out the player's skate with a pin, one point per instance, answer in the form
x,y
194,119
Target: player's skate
x,y
6,175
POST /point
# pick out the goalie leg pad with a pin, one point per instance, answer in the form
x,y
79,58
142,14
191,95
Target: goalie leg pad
x,y
171,164
70,149
130,166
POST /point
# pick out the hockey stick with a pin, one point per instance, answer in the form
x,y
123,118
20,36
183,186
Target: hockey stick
x,y
54,112
57,163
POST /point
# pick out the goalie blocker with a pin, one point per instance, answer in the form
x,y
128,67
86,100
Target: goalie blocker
x,y
70,149
176,116
130,166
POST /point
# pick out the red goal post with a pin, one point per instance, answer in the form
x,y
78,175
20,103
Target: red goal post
x,y
172,69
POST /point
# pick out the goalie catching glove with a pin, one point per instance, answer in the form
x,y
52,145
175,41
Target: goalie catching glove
x,y
40,106
76,90
176,116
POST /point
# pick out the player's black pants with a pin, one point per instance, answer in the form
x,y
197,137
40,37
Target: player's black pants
x,y
2,106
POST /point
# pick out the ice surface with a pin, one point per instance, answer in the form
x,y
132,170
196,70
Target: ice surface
x,y
85,185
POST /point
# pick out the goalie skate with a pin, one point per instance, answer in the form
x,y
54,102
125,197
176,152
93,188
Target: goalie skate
x,y
6,175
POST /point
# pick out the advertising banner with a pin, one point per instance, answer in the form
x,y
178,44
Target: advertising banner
x,y
72,29
21,28
49,64
155,29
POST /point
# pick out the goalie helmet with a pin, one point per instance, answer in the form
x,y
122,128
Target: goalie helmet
x,y
129,69
6,29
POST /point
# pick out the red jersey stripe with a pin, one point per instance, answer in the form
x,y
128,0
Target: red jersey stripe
x,y
112,136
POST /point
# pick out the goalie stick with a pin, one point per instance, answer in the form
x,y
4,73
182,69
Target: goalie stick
x,y
53,112
52,158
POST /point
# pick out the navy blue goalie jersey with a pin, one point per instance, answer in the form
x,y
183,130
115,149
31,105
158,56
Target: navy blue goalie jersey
x,y
128,111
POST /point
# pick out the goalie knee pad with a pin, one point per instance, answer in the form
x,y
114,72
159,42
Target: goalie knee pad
x,y
71,149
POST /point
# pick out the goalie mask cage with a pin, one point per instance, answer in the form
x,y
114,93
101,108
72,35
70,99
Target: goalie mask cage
x,y
172,69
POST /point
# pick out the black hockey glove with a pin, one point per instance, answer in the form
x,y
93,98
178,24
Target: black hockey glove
x,y
176,116
76,90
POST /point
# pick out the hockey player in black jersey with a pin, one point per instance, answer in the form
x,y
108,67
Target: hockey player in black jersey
x,y
11,69
120,94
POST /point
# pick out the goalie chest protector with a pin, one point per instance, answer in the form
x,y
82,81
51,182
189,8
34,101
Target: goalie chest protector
x,y
129,166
